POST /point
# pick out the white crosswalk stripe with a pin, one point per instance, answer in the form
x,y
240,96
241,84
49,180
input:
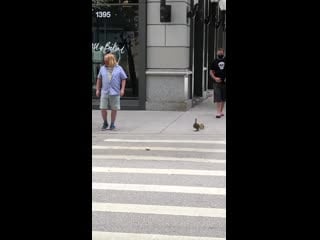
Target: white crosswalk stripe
x,y
157,209
163,141
191,161
158,171
155,158
158,188
176,149
96,235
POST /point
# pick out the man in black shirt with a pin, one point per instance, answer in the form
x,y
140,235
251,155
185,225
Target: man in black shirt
x,y
218,73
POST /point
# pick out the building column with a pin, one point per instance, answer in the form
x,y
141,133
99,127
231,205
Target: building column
x,y
168,69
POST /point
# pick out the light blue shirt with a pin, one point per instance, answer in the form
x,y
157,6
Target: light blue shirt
x,y
111,86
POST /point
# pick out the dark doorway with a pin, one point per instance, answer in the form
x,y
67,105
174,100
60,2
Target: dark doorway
x,y
198,51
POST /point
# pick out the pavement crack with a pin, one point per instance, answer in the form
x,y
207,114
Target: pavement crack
x,y
171,122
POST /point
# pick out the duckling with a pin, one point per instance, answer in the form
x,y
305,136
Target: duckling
x,y
201,126
196,125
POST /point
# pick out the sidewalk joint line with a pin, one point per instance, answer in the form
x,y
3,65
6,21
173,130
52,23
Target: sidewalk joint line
x,y
172,122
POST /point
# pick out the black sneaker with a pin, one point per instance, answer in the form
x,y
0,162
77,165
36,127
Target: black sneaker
x,y
104,126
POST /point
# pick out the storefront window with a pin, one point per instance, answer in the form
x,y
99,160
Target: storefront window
x,y
114,1
115,30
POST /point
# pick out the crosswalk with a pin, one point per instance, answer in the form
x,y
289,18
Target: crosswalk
x,y
158,188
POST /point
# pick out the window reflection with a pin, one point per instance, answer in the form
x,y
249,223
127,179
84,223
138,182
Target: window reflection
x,y
115,30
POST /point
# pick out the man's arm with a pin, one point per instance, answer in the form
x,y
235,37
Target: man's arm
x,y
123,86
212,74
98,86
217,79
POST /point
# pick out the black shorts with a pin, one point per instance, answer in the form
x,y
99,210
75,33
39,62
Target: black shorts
x,y
219,92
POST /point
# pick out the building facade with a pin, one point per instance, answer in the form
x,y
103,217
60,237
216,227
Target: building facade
x,y
165,47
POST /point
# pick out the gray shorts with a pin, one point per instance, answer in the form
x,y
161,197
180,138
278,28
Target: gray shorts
x,y
110,102
219,92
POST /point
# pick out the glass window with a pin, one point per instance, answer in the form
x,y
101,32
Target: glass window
x,y
129,1
104,1
115,30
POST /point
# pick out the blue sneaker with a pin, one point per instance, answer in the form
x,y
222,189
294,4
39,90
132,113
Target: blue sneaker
x,y
112,126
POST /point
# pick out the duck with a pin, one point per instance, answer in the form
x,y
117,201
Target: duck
x,y
196,125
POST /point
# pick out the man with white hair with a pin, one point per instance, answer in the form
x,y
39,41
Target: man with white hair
x,y
111,84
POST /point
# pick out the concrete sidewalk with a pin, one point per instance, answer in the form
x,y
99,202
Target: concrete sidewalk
x,y
165,122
